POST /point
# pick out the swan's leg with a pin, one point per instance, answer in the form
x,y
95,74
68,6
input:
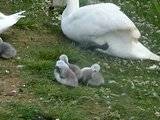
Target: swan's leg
x,y
92,46
104,46
85,44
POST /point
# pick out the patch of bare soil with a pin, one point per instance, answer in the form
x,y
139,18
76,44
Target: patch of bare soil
x,y
9,80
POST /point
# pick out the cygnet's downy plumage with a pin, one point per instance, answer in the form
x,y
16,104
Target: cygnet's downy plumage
x,y
10,20
92,76
7,50
76,69
64,74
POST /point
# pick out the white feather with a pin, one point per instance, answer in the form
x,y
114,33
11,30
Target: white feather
x,y
8,21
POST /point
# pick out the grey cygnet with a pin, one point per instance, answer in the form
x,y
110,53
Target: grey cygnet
x,y
64,74
92,76
7,50
76,69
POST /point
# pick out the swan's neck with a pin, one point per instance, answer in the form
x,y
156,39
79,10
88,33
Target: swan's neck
x,y
72,5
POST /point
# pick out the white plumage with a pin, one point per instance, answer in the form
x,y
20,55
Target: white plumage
x,y
104,24
10,20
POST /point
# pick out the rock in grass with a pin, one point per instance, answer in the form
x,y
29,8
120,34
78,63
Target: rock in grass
x,y
12,93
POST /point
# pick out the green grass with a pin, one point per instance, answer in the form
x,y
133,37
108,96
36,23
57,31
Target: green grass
x,y
134,94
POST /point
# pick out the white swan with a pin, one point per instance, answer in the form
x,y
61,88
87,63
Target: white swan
x,y
10,20
105,27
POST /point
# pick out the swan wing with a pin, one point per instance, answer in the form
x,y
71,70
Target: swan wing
x,y
93,21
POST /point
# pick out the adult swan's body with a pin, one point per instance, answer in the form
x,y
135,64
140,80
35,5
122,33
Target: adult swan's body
x,y
104,26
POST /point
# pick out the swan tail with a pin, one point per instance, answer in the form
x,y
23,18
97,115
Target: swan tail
x,y
19,14
125,44
145,53
154,57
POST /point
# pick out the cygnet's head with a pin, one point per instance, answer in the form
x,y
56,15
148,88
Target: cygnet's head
x,y
64,58
61,64
1,41
96,67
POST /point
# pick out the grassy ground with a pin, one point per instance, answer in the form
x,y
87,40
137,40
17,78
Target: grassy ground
x,y
131,91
